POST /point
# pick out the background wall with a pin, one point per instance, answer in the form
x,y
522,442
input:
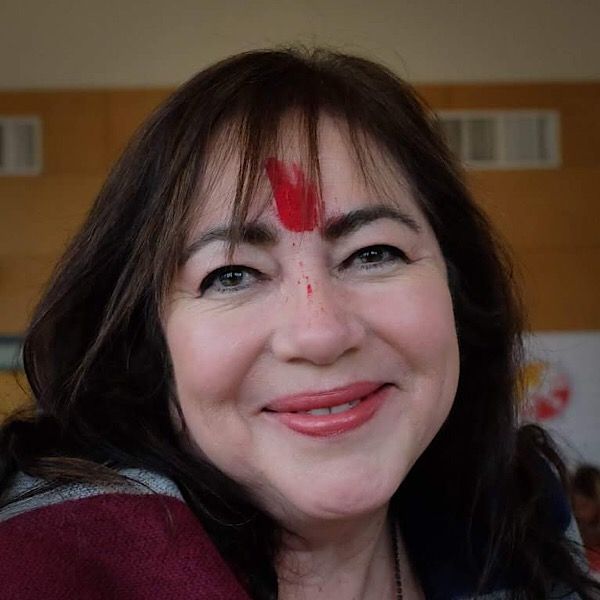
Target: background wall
x,y
94,70
100,43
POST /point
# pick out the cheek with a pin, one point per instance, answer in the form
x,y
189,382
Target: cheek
x,y
418,320
417,325
209,362
209,353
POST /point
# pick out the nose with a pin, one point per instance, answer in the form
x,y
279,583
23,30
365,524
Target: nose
x,y
318,324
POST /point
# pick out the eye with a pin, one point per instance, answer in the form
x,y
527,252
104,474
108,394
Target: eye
x,y
375,257
229,279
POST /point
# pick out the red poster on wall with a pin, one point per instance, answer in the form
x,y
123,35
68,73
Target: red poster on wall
x,y
562,381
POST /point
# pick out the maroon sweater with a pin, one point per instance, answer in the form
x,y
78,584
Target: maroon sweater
x,y
127,543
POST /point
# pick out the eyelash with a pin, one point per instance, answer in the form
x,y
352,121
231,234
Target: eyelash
x,y
213,278
393,255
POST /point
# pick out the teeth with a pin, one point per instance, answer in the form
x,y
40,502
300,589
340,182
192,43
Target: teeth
x,y
343,407
334,410
318,412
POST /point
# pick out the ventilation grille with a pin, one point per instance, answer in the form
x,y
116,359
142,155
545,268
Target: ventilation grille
x,y
20,146
510,139
11,355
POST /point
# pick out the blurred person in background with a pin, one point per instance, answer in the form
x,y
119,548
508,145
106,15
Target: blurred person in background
x,y
585,490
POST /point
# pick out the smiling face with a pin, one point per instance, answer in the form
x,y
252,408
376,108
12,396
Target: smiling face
x,y
317,363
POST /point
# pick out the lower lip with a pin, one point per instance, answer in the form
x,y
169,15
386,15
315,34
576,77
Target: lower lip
x,y
334,424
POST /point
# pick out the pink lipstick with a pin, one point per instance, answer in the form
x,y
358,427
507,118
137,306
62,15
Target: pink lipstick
x,y
331,412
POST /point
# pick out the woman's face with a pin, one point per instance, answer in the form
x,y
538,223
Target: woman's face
x,y
318,367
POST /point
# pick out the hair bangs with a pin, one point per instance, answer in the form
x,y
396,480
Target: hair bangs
x,y
246,139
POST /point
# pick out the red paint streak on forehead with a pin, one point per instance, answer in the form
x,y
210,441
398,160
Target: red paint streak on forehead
x,y
296,200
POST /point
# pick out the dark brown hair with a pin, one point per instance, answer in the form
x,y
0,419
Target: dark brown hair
x,y
100,372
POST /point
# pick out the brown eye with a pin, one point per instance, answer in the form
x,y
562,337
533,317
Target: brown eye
x,y
231,278
372,255
375,257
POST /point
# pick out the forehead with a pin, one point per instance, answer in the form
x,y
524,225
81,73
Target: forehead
x,y
346,182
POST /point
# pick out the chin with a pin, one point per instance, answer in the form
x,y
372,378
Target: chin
x,y
347,499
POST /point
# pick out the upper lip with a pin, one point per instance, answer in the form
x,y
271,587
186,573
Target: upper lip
x,y
306,401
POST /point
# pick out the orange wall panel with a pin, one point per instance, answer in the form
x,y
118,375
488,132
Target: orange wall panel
x,y
74,128
127,109
542,209
14,392
562,288
39,214
579,106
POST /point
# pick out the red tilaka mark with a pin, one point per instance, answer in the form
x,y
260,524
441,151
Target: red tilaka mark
x,y
309,290
296,200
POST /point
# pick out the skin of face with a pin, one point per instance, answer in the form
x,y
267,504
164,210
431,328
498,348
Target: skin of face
x,y
307,314
586,510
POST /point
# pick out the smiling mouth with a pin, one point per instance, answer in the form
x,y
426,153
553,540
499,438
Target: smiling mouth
x,y
330,413
333,410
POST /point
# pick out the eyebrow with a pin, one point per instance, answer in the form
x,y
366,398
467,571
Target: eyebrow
x,y
335,228
343,225
255,234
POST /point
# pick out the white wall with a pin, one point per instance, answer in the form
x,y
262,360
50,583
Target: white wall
x,y
89,43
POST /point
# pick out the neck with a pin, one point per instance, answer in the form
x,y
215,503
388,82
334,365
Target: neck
x,y
344,559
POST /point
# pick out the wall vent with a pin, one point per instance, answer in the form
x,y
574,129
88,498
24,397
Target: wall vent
x,y
20,146
503,139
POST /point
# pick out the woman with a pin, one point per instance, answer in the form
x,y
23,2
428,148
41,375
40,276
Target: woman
x,y
279,361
